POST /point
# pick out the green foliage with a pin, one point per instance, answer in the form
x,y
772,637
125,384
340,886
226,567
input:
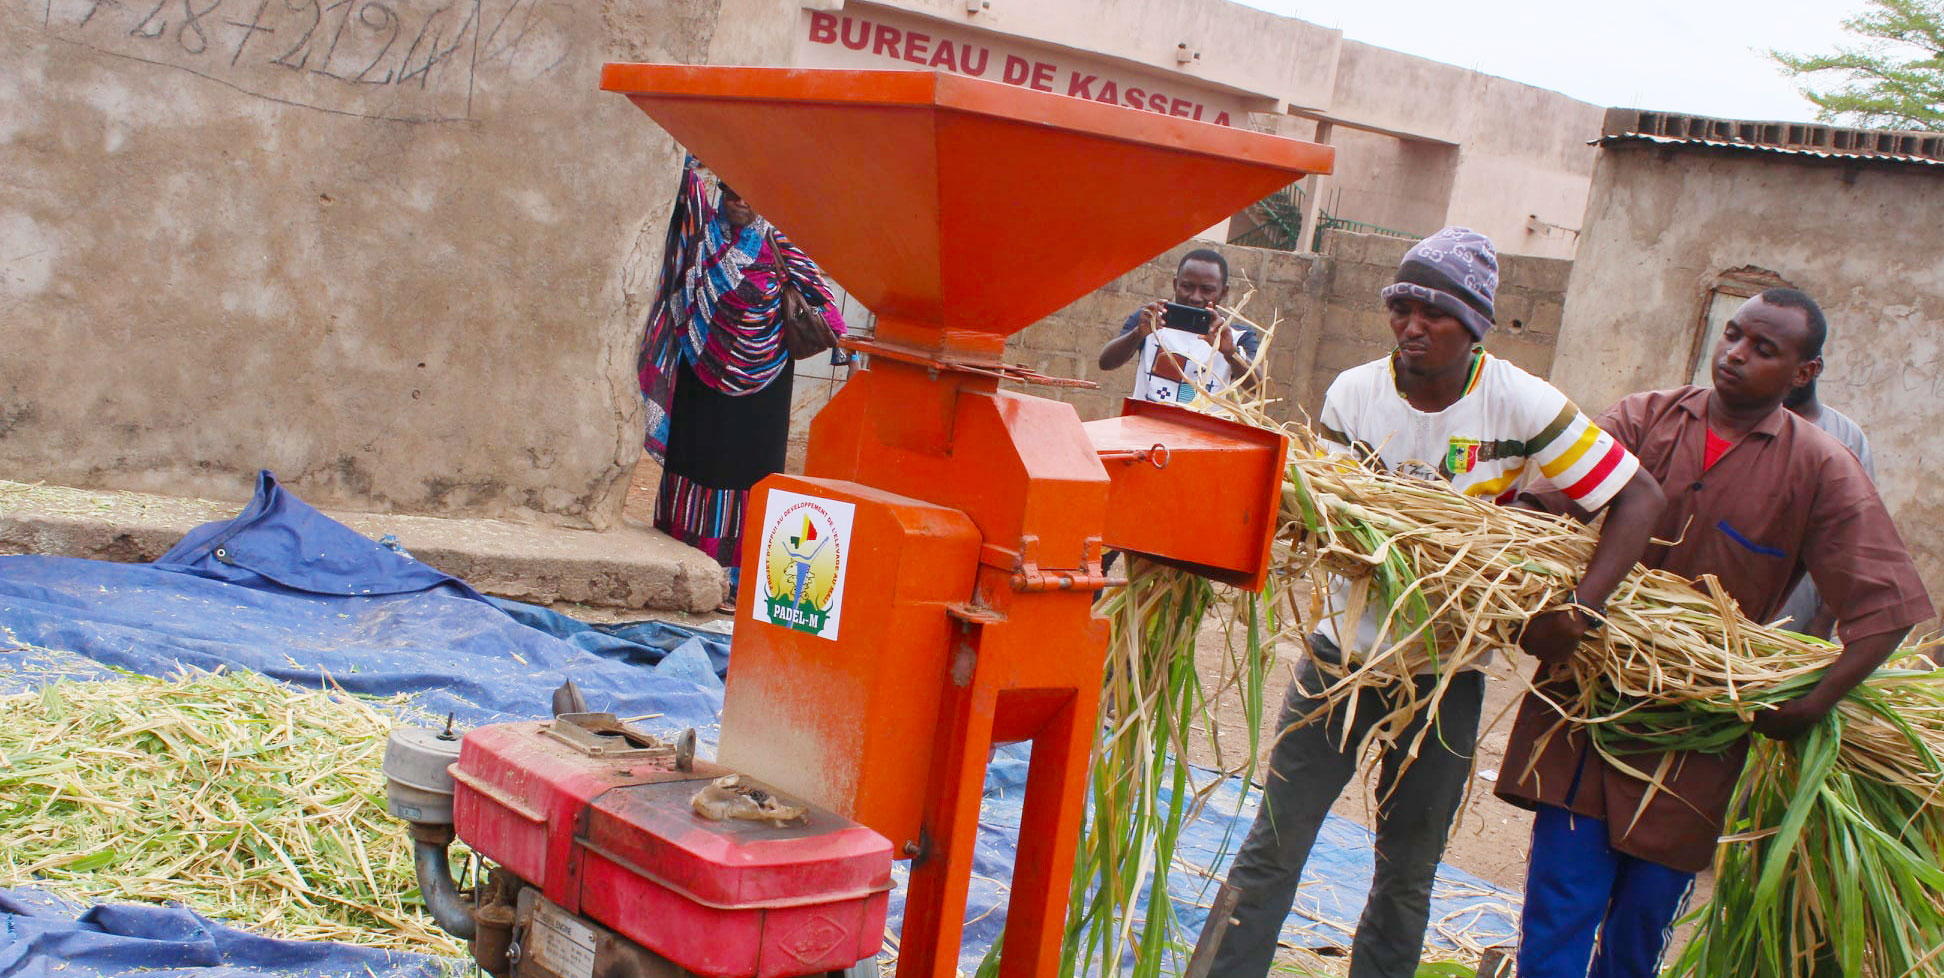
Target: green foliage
x,y
1893,80
1154,705
1830,870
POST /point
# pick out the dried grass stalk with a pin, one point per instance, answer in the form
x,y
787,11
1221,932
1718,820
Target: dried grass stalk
x,y
245,799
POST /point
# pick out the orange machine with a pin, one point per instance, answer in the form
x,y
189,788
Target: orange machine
x,y
924,590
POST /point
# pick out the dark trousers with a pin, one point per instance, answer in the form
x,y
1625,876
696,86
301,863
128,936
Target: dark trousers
x,y
1579,887
1307,771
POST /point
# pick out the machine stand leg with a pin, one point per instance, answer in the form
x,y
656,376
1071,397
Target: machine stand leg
x,y
1049,835
934,919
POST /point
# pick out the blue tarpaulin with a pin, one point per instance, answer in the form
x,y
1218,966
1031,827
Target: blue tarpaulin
x,y
287,592
48,937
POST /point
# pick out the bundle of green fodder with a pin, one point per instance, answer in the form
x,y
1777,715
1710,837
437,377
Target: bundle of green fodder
x,y
1835,848
1155,704
1158,711
1161,709
244,799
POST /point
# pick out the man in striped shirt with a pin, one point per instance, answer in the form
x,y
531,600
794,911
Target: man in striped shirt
x,y
1438,407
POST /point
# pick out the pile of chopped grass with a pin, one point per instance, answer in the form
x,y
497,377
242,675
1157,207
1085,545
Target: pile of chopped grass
x,y
244,799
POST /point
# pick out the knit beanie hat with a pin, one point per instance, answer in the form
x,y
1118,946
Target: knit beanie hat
x,y
1455,270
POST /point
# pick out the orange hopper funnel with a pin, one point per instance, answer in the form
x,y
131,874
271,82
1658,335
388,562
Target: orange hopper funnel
x,y
962,208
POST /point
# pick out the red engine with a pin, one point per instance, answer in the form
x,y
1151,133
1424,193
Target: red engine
x,y
607,868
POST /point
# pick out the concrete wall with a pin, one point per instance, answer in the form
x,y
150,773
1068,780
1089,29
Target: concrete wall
x,y
1404,184
1241,49
1521,150
1863,238
397,251
1329,318
1422,144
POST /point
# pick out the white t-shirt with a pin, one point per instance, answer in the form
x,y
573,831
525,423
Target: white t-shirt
x,y
1177,366
1508,430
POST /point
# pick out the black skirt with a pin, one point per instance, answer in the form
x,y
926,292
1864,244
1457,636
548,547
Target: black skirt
x,y
718,447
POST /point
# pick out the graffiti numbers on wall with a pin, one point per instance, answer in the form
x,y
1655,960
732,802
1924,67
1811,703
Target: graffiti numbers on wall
x,y
409,60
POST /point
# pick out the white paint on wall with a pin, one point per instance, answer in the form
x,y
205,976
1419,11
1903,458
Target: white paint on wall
x,y
27,257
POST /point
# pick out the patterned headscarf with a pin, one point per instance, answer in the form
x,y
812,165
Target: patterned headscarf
x,y
719,306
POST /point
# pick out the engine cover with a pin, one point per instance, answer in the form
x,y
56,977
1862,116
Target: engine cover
x,y
601,824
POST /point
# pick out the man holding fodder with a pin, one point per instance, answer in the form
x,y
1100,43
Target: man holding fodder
x,y
1438,407
1756,495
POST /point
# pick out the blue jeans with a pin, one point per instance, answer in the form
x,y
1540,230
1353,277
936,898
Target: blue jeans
x,y
1307,771
1579,889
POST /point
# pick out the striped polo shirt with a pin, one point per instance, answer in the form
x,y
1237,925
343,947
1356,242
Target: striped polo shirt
x,y
1507,431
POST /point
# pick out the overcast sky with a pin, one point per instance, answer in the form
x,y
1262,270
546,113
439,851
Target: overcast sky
x,y
1704,57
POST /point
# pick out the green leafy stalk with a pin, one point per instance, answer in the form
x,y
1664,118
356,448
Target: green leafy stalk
x,y
1827,871
1154,704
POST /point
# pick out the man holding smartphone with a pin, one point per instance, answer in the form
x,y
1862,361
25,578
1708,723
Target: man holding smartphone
x,y
1186,347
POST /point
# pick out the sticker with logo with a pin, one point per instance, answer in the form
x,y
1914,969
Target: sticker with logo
x,y
1461,455
806,541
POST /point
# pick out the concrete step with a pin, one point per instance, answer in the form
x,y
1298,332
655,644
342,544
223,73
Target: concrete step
x,y
627,568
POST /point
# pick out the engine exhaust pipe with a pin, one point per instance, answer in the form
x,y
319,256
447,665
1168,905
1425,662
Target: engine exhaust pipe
x,y
442,899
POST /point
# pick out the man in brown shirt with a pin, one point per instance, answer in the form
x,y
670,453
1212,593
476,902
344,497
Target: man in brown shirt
x,y
1755,496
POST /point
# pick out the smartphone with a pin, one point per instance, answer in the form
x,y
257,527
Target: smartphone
x,y
1190,319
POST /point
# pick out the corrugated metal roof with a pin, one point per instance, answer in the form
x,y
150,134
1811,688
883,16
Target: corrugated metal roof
x,y
1788,138
1763,148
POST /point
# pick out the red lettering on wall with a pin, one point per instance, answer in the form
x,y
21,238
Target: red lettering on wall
x,y
1016,71
863,38
1042,76
823,27
917,47
925,51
